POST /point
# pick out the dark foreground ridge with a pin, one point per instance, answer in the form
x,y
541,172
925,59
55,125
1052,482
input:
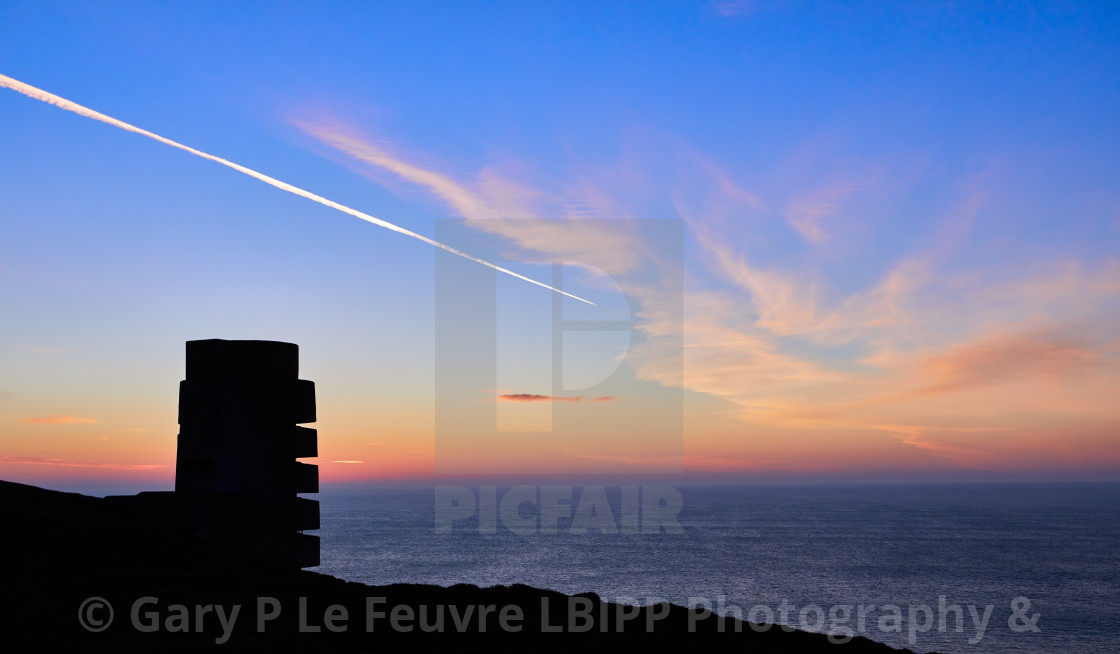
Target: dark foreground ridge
x,y
60,549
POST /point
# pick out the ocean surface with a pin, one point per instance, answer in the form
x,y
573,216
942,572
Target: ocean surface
x,y
821,550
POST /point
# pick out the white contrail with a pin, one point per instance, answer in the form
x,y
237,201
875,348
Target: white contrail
x,y
63,103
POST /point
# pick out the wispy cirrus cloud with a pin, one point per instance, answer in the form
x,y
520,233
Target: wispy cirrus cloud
x,y
531,218
808,212
35,460
930,346
58,420
465,201
925,346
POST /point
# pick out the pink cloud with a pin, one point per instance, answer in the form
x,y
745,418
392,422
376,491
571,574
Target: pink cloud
x,y
75,464
962,454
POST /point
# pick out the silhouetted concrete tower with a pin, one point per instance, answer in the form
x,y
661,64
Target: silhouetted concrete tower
x,y
236,472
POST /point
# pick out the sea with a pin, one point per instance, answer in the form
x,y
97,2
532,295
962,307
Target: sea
x,y
954,568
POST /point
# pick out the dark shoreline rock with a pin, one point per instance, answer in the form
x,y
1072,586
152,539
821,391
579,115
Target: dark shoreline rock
x,y
61,549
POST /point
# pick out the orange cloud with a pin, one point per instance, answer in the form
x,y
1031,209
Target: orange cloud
x,y
528,397
1005,358
606,398
58,420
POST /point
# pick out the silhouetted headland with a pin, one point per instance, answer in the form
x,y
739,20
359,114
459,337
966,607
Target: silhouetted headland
x,y
63,548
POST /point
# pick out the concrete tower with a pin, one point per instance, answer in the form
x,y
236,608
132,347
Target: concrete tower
x,y
236,474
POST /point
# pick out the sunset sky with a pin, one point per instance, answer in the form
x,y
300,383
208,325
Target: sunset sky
x,y
887,239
